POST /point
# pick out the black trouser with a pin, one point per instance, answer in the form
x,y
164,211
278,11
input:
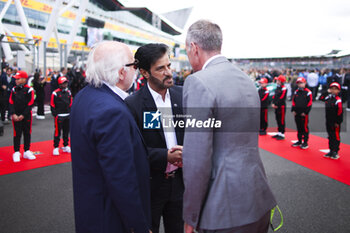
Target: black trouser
x,y
167,201
7,106
40,103
3,106
280,118
263,119
349,97
302,123
24,126
314,91
333,136
61,124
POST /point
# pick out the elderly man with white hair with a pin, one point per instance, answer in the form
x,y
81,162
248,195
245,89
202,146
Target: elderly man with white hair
x,y
109,159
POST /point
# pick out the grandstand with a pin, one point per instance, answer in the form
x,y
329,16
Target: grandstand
x,y
335,59
80,23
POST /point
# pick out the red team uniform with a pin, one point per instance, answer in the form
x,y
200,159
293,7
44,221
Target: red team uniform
x,y
301,105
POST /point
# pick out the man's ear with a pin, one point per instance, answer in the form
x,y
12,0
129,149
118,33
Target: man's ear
x,y
122,73
144,73
194,48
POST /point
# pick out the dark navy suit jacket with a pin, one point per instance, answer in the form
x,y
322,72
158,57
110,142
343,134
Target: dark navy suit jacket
x,y
142,101
110,165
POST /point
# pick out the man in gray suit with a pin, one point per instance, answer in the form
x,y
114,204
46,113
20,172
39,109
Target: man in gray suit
x,y
226,189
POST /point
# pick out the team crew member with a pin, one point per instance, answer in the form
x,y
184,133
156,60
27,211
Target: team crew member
x,y
279,104
264,101
21,102
301,106
61,102
334,117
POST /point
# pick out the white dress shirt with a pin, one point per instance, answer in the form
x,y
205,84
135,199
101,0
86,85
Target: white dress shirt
x,y
164,106
122,94
210,59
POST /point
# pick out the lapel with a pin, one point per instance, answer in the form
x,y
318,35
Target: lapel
x,y
176,105
118,98
148,104
176,102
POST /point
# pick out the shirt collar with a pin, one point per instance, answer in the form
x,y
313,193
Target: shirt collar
x,y
122,94
210,59
156,95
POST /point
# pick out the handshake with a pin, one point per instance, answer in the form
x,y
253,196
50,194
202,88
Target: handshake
x,y
175,155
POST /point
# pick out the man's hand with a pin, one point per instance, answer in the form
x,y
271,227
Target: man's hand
x,y
294,113
274,106
175,155
188,228
303,114
15,117
20,118
4,87
336,125
175,148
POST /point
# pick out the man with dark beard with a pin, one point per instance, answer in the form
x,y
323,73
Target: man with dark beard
x,y
161,101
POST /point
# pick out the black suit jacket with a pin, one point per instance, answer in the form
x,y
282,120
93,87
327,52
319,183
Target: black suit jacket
x,y
142,101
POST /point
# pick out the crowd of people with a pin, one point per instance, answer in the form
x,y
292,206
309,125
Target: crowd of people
x,y
302,97
318,80
127,176
19,92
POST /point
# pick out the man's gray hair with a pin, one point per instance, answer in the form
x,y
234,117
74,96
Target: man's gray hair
x,y
104,63
206,35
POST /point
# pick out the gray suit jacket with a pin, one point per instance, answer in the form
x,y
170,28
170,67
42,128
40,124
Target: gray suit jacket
x,y
225,181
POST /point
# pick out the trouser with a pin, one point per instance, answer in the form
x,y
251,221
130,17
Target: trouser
x,y
302,123
2,109
167,201
61,124
1,128
24,126
314,91
40,103
261,226
333,136
7,106
280,118
349,97
263,119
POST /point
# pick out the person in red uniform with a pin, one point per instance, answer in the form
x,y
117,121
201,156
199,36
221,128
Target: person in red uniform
x,y
61,102
21,102
279,104
264,100
334,118
301,106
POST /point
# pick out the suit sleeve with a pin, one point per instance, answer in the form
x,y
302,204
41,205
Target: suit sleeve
x,y
158,157
197,151
114,143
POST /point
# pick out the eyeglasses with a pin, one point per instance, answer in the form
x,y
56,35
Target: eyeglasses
x,y
134,64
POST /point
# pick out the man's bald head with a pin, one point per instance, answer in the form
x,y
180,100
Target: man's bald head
x,y
105,61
